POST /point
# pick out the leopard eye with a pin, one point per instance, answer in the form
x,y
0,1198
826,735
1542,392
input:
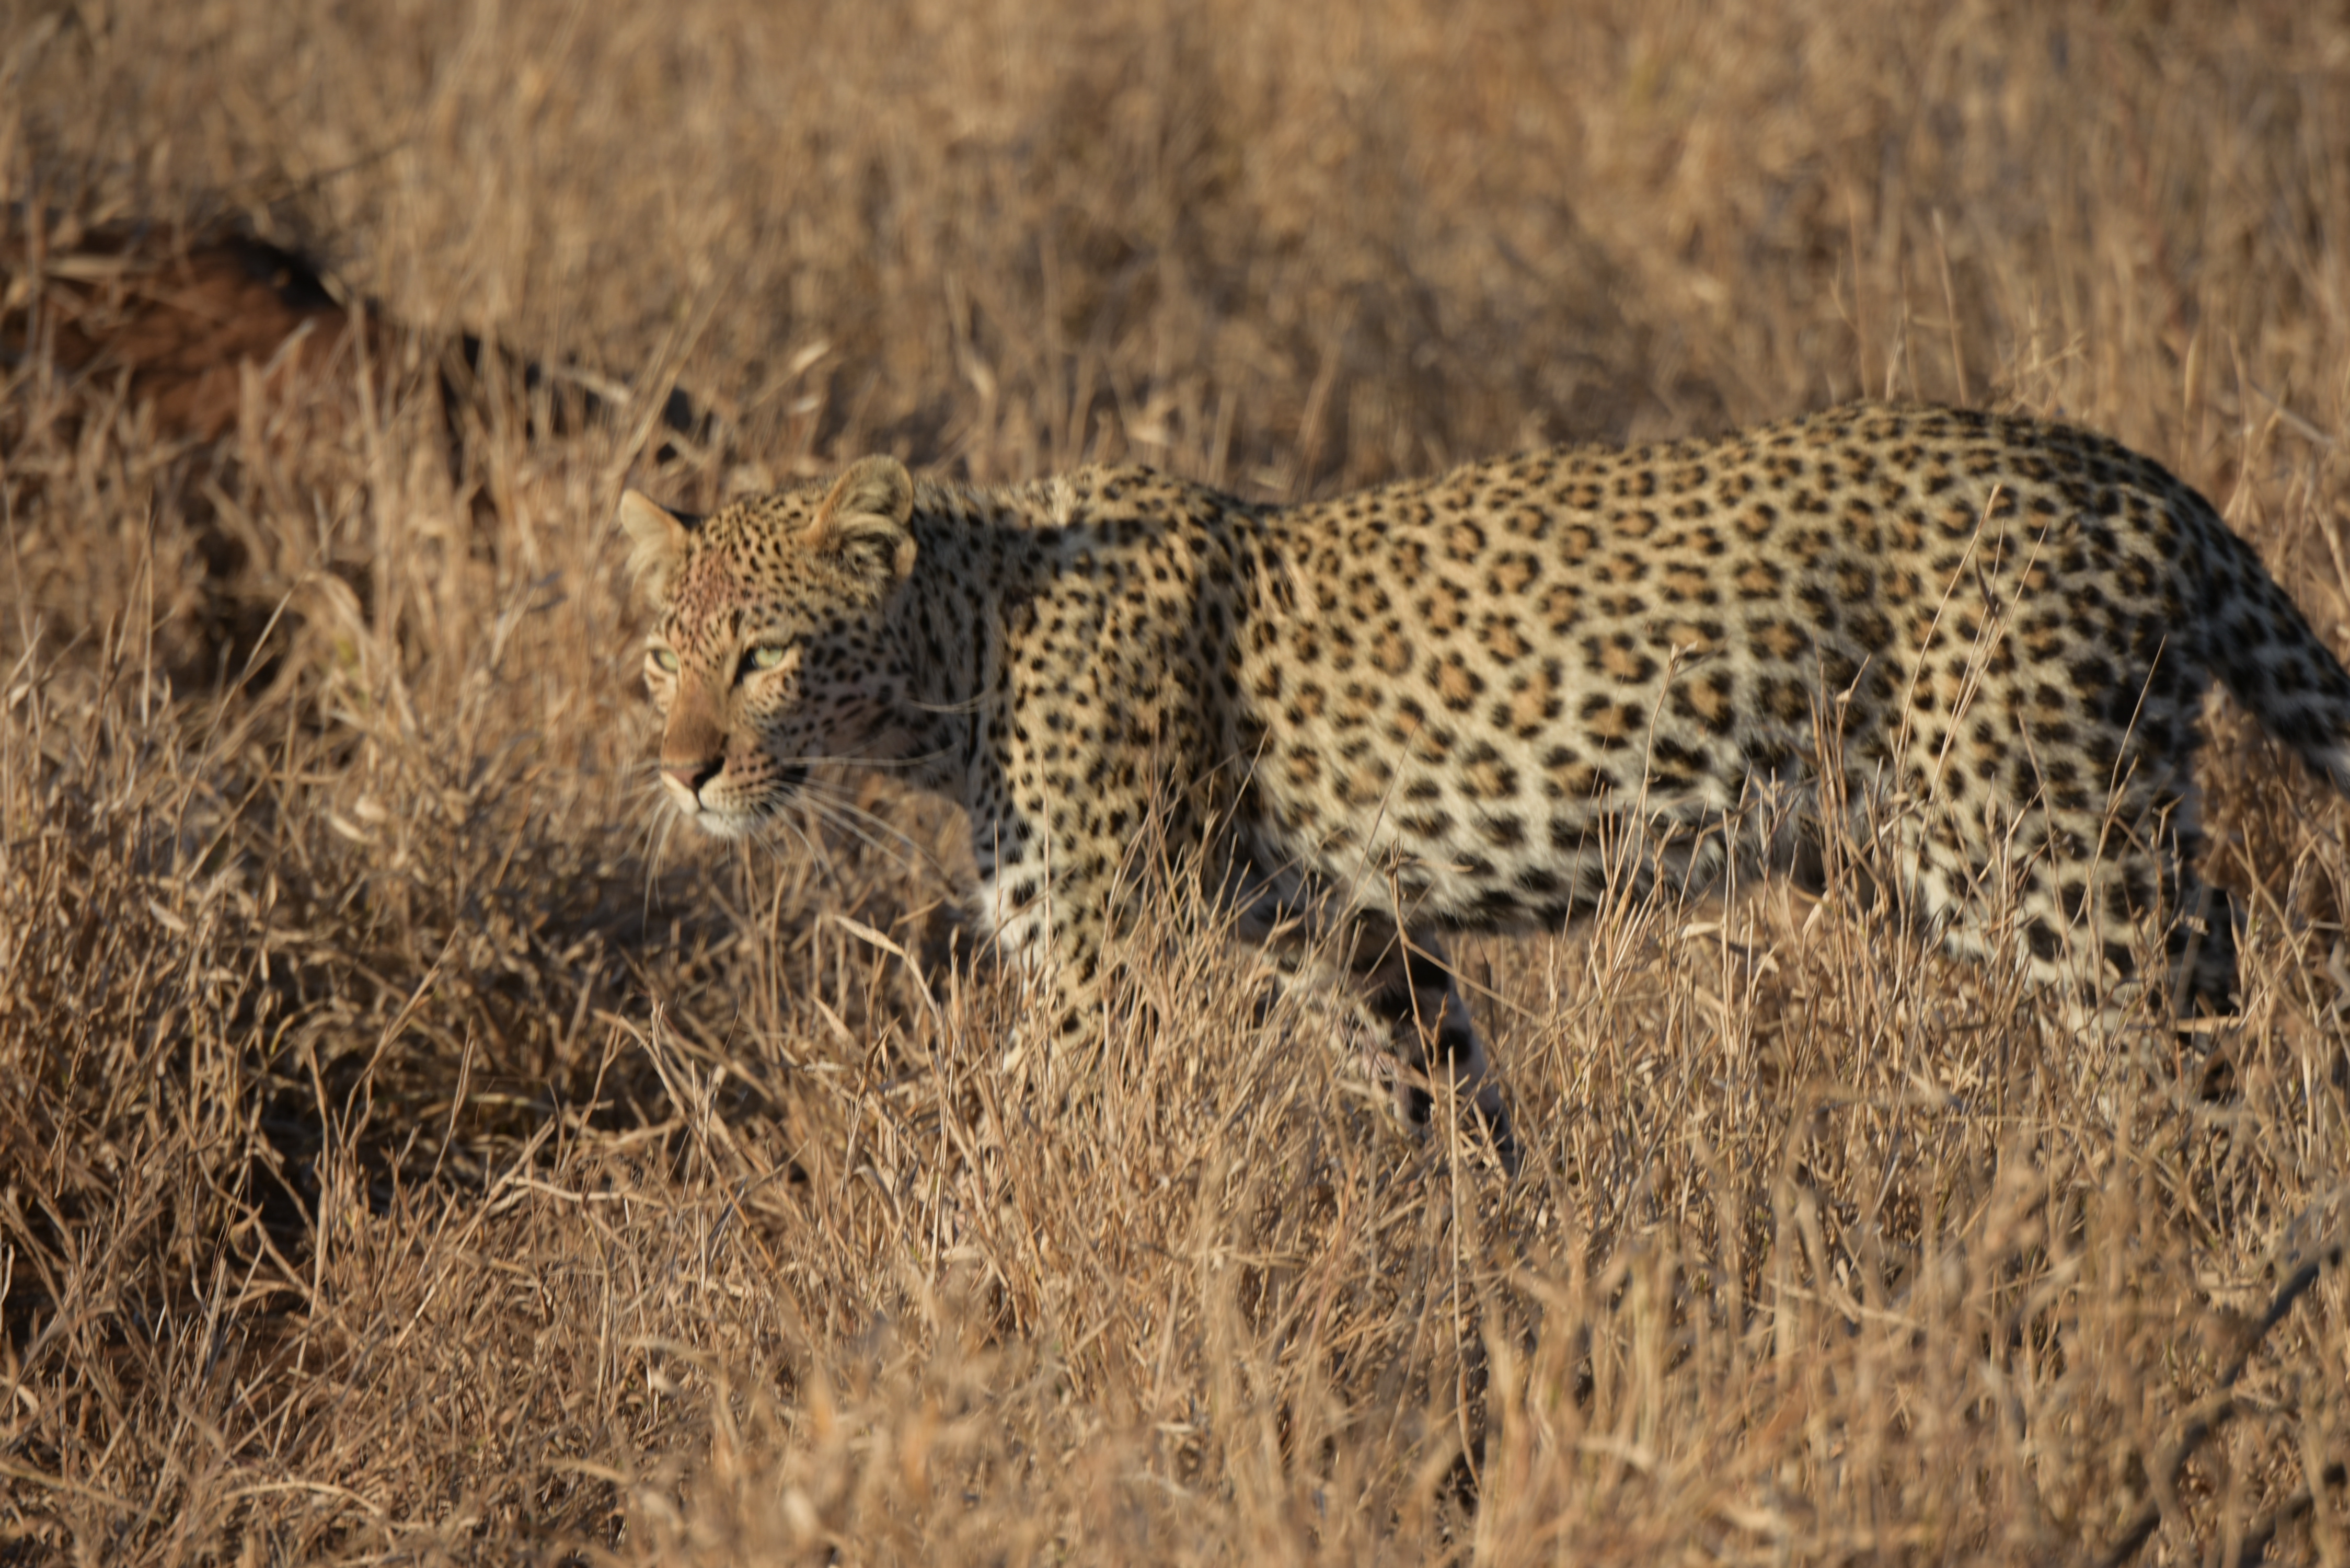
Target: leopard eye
x,y
666,658
768,656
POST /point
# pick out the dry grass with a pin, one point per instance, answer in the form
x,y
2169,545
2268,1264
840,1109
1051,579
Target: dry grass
x,y
407,1152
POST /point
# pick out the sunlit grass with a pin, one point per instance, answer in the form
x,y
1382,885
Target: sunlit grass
x,y
411,1148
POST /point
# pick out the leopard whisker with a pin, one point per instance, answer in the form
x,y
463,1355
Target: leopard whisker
x,y
880,837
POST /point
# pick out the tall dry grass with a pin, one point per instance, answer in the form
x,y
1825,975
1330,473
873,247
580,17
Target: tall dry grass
x,y
410,1151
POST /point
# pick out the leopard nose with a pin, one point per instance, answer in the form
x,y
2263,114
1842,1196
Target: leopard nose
x,y
692,774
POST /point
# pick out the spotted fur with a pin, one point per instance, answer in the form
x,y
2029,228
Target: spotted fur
x,y
1480,701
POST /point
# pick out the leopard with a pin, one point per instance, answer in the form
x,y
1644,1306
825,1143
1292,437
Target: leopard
x,y
1491,699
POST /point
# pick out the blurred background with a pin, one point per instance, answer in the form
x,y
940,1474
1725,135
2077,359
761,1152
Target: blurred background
x,y
1292,246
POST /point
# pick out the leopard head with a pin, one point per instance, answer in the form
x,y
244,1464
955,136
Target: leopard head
x,y
771,649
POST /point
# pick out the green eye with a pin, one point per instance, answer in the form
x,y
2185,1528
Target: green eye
x,y
768,656
665,659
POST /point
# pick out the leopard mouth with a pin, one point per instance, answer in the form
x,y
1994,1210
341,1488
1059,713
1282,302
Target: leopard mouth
x,y
732,817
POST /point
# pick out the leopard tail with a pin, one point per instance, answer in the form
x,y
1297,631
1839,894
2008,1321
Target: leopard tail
x,y
2264,649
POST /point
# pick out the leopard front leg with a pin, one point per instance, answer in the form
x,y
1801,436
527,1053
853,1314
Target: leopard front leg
x,y
1399,989
1043,916
1057,875
1405,979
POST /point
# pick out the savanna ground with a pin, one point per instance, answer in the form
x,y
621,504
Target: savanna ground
x,y
408,1151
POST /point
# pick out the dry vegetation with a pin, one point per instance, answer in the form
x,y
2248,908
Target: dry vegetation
x,y
407,1152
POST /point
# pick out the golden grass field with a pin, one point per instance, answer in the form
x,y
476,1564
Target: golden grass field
x,y
411,1152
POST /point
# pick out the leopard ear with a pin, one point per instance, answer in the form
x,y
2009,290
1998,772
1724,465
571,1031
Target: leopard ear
x,y
864,519
656,542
